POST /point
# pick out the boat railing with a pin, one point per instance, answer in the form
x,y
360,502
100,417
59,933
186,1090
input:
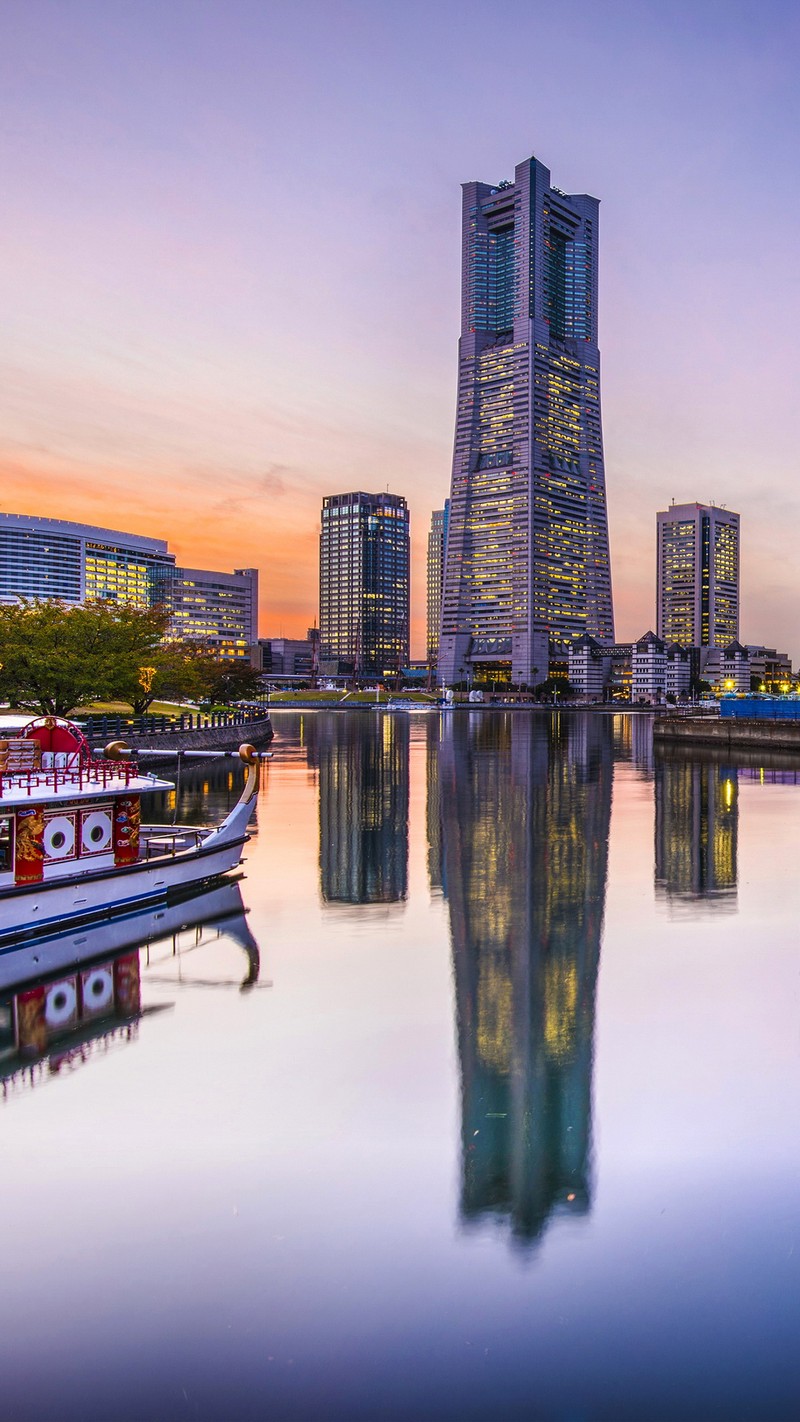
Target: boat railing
x,y
94,774
160,840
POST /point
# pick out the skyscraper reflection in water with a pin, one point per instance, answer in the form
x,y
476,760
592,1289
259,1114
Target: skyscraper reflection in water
x,y
363,809
696,831
526,808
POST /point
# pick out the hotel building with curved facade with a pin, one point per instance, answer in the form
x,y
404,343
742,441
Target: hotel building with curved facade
x,y
55,559
527,565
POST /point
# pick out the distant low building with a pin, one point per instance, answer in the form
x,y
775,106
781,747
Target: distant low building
x,y
680,672
727,669
588,668
287,657
770,670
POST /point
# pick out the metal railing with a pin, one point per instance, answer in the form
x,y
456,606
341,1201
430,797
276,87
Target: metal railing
x,y
94,774
100,727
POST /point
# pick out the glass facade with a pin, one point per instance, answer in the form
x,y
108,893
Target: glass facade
x,y
77,562
364,581
119,574
527,564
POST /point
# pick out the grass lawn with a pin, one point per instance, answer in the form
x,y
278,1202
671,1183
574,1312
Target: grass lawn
x,y
123,708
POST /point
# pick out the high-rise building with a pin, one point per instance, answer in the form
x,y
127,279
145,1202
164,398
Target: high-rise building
x,y
527,559
364,575
437,538
55,559
697,599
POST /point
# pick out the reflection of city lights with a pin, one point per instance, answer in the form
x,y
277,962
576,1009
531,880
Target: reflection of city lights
x,y
728,793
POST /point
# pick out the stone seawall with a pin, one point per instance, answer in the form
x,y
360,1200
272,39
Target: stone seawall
x,y
732,731
211,738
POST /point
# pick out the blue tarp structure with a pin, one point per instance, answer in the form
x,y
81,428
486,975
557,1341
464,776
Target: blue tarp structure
x,y
762,708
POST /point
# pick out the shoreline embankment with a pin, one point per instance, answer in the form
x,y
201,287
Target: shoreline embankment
x,y
732,732
257,732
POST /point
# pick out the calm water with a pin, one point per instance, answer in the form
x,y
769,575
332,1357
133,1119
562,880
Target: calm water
x,y
488,1108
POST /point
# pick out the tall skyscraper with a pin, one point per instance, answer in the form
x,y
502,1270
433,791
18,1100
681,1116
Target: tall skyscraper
x,y
364,574
437,538
698,575
527,558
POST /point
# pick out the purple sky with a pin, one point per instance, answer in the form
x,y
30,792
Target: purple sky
x,y
230,272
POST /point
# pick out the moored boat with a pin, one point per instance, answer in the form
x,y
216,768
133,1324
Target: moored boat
x,y
73,848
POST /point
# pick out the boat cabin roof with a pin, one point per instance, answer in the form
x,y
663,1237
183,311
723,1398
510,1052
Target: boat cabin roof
x,y
102,780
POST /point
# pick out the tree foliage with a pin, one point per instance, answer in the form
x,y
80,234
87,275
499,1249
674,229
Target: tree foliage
x,y
53,656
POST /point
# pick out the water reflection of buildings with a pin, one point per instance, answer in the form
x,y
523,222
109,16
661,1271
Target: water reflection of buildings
x,y
696,831
433,809
526,806
633,740
363,809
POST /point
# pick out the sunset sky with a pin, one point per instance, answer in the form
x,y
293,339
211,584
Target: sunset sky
x,y
230,264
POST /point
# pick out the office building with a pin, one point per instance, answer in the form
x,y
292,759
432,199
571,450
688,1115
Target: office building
x,y
218,609
437,538
697,599
364,578
55,559
527,561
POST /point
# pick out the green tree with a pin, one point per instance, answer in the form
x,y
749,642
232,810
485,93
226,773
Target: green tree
x,y
232,681
54,656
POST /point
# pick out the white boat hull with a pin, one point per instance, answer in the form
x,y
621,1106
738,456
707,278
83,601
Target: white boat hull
x,y
48,907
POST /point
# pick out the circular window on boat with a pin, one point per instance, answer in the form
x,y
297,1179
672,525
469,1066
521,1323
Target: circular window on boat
x,y
96,833
58,840
60,1000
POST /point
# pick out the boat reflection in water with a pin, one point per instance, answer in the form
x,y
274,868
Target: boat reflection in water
x,y
77,996
525,812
